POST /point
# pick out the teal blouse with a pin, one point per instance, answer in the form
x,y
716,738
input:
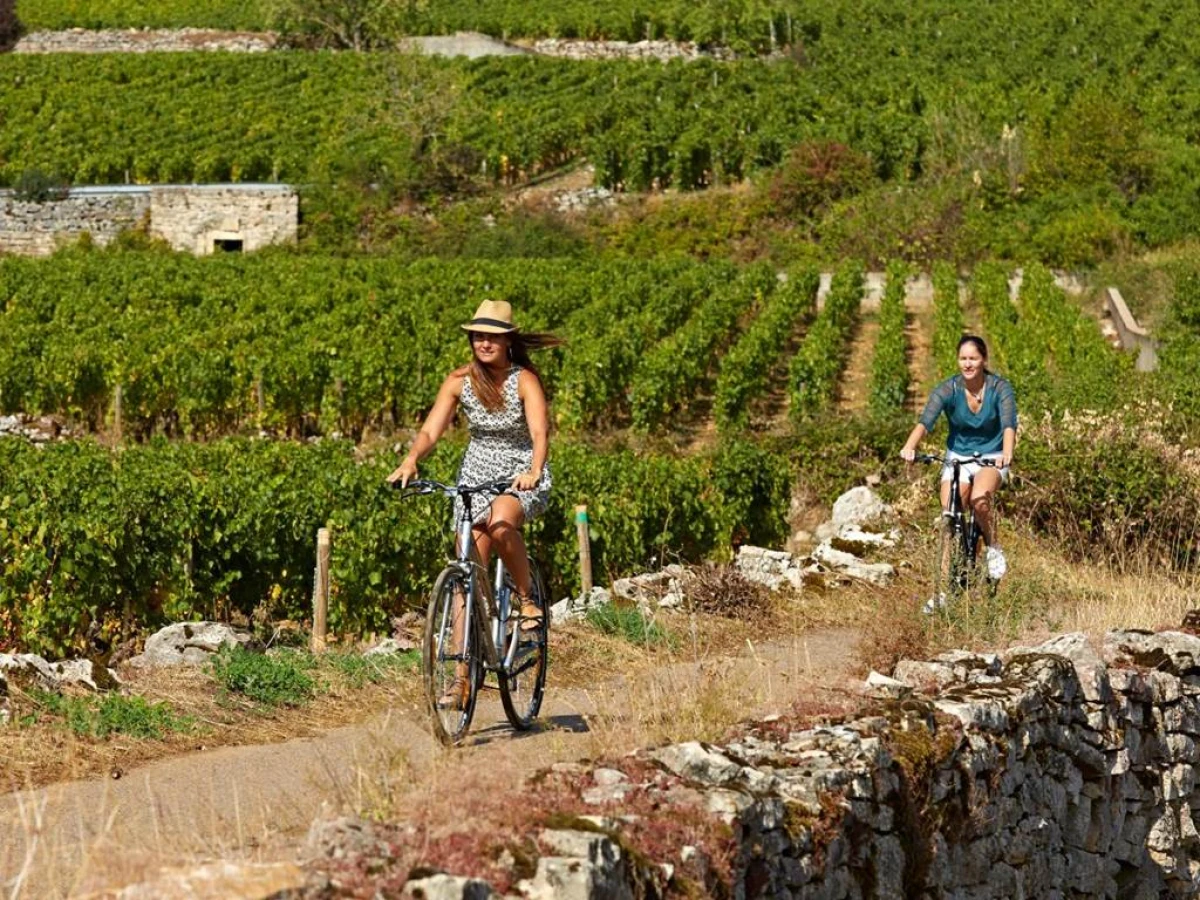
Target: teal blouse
x,y
981,432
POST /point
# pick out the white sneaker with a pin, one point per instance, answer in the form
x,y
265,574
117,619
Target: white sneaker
x,y
996,563
933,604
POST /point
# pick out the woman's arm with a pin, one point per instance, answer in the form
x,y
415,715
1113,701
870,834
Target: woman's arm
x,y
434,427
537,417
1010,443
909,451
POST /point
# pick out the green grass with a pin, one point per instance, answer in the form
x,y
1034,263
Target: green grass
x,y
359,670
630,624
278,679
98,717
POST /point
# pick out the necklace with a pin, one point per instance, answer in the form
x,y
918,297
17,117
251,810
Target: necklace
x,y
977,397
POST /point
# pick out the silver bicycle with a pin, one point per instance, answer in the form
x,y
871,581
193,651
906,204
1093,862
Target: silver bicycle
x,y
473,627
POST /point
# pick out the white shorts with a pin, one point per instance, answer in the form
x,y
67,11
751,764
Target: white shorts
x,y
970,469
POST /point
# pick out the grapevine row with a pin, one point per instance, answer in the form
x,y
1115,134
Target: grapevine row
x,y
679,368
304,343
746,369
163,532
814,370
948,323
889,365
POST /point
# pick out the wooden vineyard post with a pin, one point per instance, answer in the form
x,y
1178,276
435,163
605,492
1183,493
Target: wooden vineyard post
x,y
117,413
321,591
585,549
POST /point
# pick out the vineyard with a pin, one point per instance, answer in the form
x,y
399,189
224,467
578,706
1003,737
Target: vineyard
x,y
275,345
225,408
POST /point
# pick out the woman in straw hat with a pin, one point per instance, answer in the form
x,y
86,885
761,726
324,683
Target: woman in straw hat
x,y
501,394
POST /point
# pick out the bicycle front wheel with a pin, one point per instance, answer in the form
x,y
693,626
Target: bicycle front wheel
x,y
952,566
523,683
450,659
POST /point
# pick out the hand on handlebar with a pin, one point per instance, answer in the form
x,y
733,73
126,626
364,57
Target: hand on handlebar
x,y
405,473
525,481
908,454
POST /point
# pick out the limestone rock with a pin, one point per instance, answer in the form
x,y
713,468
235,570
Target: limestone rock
x,y
858,506
585,865
853,567
773,568
572,609
698,762
28,668
446,887
190,644
1170,651
881,685
391,646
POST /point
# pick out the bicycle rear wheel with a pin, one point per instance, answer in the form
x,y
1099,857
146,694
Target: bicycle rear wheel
x,y
450,659
524,684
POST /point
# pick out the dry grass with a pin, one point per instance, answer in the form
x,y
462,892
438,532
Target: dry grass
x,y
34,755
1044,594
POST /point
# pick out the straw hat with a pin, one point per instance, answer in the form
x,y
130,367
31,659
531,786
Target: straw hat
x,y
492,317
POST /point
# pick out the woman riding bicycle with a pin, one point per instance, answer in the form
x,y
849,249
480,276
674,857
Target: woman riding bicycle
x,y
501,394
982,411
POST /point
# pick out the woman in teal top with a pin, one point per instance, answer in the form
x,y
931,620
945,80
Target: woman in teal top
x,y
982,411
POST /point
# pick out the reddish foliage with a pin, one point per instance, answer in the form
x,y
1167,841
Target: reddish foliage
x,y
805,713
816,174
660,815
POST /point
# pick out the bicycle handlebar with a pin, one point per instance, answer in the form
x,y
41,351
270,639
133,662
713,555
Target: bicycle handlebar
x,y
975,458
421,487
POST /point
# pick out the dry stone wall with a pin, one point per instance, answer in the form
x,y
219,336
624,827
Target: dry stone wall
x,y
1058,771
37,229
197,218
144,40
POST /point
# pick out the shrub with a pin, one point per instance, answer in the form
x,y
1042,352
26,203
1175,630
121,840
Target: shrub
x,y
815,175
276,679
1106,490
948,322
36,186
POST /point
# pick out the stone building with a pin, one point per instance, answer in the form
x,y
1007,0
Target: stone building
x,y
200,219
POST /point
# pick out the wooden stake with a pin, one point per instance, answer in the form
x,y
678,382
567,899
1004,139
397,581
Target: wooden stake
x,y
321,591
117,414
585,549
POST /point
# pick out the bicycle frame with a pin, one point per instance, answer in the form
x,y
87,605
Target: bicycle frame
x,y
960,520
484,600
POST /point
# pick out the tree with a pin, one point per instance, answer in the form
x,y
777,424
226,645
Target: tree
x,y
344,24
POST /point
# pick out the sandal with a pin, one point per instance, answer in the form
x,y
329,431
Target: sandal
x,y
456,695
531,614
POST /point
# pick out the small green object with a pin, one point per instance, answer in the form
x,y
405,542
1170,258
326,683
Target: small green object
x,y
581,516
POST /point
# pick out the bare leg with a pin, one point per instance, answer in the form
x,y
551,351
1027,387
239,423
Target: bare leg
x,y
504,533
982,491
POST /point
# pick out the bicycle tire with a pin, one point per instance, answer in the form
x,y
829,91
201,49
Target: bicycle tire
x,y
439,668
522,690
950,566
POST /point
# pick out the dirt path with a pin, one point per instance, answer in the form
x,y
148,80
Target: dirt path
x,y
918,337
854,393
257,802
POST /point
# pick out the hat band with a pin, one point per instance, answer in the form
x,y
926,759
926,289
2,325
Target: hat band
x,y
495,323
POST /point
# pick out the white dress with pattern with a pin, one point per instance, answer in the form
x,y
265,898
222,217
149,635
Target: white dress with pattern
x,y
500,447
